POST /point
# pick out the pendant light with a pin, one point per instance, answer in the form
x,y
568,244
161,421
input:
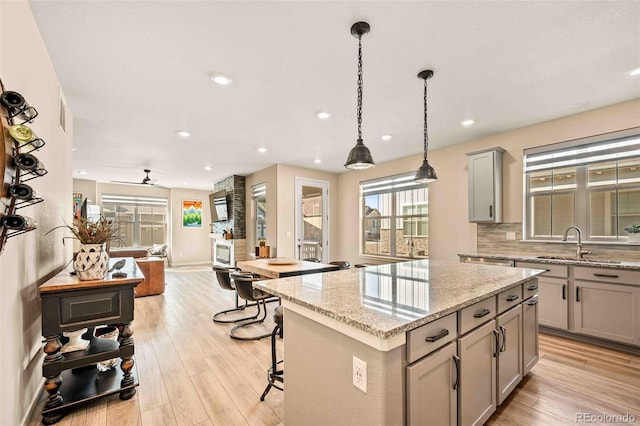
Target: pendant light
x,y
359,157
425,173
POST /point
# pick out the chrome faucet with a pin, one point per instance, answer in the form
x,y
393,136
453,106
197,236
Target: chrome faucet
x,y
579,251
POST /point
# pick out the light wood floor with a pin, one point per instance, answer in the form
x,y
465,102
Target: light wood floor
x,y
192,373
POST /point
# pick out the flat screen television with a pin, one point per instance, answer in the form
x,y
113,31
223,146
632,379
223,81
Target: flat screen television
x,y
218,206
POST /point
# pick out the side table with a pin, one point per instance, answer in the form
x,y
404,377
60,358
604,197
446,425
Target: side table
x,y
69,304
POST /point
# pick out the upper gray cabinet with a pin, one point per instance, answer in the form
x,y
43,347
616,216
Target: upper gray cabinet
x,y
485,185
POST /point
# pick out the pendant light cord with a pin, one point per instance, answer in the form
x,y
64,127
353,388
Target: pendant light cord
x,y
359,107
426,129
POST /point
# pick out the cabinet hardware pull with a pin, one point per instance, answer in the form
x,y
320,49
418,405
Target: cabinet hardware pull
x,y
503,331
482,313
577,294
606,275
439,336
548,270
456,361
490,211
532,287
532,302
512,297
564,292
496,340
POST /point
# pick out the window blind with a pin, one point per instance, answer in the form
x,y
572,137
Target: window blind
x,y
402,182
135,200
259,190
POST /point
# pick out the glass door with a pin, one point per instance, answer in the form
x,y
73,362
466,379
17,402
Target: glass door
x,y
312,219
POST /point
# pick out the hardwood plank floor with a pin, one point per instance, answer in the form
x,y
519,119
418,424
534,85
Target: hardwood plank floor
x,y
192,373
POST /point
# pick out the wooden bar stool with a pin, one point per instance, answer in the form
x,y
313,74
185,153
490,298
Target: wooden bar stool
x,y
273,374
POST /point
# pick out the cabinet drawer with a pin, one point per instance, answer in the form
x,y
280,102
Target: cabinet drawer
x,y
476,314
560,271
509,298
431,336
621,276
529,289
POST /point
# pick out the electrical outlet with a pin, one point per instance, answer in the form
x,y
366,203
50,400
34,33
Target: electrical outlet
x,y
360,374
511,236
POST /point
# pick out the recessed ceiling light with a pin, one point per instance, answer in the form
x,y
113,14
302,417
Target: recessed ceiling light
x,y
262,150
386,137
183,133
185,183
83,172
317,161
323,115
74,149
467,122
635,71
221,79
208,168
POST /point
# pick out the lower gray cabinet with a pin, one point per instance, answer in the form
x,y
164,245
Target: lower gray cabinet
x,y
509,357
478,353
432,385
530,351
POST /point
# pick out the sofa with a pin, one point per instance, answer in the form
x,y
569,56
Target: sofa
x,y
152,268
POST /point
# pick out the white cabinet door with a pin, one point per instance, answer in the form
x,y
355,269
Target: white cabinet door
x,y
553,302
485,185
609,311
477,394
432,391
530,348
510,353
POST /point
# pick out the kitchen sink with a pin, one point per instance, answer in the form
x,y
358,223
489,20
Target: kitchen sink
x,y
573,259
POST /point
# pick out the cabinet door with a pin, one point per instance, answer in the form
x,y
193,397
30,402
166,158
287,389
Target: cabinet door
x,y
553,294
530,351
477,393
510,356
609,311
485,186
432,389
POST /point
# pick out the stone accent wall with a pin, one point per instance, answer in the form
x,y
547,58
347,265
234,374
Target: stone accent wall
x,y
235,187
492,240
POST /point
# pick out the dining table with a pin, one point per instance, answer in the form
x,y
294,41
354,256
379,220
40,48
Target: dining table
x,y
281,267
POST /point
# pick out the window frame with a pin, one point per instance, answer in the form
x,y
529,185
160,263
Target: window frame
x,y
138,202
582,191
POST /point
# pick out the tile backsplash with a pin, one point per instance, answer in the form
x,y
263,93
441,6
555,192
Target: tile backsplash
x,y
492,240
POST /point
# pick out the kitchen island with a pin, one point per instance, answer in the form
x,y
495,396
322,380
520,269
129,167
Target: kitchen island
x,y
394,318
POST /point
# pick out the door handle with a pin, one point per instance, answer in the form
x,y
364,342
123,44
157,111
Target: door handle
x,y
496,340
456,361
490,211
532,302
482,313
503,346
564,292
577,294
606,275
438,336
532,287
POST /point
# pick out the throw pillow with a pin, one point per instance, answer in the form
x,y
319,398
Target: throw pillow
x,y
158,250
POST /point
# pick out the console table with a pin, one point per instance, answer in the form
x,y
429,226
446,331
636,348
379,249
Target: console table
x,y
69,304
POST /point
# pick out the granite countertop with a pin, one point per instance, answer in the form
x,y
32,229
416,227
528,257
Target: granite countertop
x,y
386,300
559,260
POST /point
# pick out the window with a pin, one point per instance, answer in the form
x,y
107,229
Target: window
x,y
260,204
592,183
141,221
395,217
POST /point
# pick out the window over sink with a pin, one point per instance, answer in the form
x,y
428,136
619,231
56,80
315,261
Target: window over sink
x,y
593,183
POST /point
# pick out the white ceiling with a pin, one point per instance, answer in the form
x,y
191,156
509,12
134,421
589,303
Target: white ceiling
x,y
134,72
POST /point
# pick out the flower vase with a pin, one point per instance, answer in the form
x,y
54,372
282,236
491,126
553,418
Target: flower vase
x,y
91,262
634,238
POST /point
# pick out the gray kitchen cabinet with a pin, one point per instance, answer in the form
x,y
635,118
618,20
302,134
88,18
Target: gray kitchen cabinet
x,y
553,288
509,359
530,351
485,185
432,388
478,353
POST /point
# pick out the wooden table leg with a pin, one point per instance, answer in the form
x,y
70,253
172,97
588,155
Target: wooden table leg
x,y
52,384
127,363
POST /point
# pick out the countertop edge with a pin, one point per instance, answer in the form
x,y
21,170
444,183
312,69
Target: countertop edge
x,y
631,266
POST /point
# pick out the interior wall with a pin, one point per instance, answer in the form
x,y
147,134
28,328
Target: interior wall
x,y
28,260
269,177
88,189
450,231
285,210
189,245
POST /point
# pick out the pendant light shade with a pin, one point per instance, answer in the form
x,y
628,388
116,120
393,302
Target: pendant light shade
x,y
359,157
426,173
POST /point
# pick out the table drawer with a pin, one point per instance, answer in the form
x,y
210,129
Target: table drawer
x,y
477,314
621,276
552,270
530,289
509,298
431,336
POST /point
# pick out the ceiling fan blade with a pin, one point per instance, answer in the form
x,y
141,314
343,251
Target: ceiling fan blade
x,y
129,183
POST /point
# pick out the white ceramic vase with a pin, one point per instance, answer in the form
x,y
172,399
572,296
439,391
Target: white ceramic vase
x,y
634,238
91,262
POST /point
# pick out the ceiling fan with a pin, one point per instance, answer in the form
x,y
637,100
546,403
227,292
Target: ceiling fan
x,y
145,181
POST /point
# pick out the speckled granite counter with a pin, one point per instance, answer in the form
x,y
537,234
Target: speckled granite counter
x,y
560,260
385,301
